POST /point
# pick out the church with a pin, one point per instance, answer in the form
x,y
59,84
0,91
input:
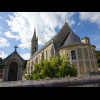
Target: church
x,y
80,51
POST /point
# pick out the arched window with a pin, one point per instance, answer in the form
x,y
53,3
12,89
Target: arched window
x,y
34,49
73,55
46,54
31,66
36,59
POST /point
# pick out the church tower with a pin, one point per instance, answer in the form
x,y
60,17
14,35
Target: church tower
x,y
34,44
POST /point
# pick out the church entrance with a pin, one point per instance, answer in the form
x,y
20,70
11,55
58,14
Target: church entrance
x,y
13,69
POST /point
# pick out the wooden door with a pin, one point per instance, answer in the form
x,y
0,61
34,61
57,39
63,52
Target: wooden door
x,y
13,69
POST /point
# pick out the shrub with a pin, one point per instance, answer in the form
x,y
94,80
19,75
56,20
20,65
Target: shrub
x,y
57,67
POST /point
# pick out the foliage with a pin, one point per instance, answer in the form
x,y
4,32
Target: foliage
x,y
24,65
57,67
98,57
1,62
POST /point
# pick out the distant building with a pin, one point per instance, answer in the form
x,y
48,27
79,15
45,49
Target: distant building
x,y
1,67
80,51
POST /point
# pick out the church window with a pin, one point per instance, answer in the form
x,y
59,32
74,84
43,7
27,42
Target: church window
x,y
36,60
34,49
31,66
41,56
28,69
50,53
73,55
46,54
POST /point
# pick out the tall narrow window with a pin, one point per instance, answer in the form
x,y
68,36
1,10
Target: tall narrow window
x,y
46,54
73,55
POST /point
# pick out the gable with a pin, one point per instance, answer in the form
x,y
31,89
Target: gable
x,y
59,38
14,55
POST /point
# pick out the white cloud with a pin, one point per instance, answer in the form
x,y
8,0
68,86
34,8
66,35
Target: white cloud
x,y
25,56
93,17
44,23
10,35
4,42
1,17
23,46
3,55
98,47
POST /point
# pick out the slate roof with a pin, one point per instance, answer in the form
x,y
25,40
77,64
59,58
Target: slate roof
x,y
71,39
57,39
65,37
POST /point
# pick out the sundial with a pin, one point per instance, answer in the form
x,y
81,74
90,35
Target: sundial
x,y
15,47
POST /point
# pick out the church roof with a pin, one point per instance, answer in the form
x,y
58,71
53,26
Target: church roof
x,y
57,39
71,39
64,37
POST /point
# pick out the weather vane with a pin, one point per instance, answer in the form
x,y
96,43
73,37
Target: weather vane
x,y
15,47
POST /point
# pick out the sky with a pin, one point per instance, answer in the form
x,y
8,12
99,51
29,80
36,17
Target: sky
x,y
17,28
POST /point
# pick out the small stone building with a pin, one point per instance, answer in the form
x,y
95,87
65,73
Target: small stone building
x,y
13,66
80,51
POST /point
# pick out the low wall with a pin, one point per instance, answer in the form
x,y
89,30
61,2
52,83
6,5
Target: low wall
x,y
89,81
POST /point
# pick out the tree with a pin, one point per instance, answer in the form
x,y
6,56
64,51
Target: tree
x,y
24,64
1,63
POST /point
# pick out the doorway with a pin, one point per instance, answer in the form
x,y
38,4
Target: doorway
x,y
13,69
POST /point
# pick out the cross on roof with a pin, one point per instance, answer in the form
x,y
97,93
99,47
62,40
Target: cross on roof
x,y
15,47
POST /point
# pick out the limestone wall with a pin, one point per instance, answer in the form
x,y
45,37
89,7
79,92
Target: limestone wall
x,y
85,61
46,53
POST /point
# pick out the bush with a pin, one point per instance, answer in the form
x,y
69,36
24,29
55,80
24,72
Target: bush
x,y
57,67
98,57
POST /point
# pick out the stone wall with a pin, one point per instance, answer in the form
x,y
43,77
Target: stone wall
x,y
45,53
89,81
85,61
1,73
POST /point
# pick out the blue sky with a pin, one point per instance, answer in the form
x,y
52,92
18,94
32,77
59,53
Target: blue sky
x,y
16,28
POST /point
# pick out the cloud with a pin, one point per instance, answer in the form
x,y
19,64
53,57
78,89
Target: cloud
x,y
3,55
93,17
4,42
10,35
44,22
25,56
23,46
1,17
98,47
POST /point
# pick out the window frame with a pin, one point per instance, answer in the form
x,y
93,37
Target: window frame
x,y
73,55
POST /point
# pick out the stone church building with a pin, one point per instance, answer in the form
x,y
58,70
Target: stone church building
x,y
80,50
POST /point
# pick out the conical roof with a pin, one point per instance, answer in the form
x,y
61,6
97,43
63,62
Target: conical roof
x,y
34,35
72,39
